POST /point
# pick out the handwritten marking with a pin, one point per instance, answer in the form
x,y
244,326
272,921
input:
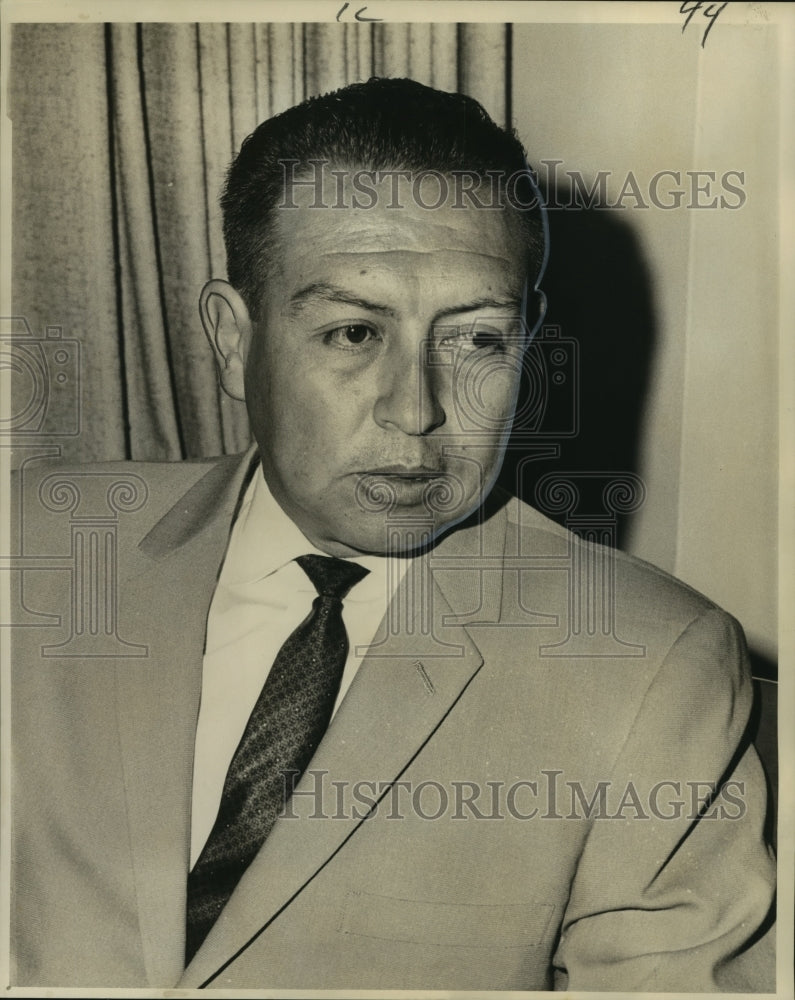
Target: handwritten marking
x,y
358,15
710,11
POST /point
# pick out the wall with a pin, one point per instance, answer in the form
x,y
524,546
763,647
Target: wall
x,y
643,99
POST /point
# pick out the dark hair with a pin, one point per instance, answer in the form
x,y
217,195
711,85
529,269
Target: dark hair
x,y
384,124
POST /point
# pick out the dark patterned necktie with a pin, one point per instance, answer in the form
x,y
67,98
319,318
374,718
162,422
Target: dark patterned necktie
x,y
287,723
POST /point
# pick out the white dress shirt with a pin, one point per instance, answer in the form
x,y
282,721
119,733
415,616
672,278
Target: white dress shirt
x,y
261,596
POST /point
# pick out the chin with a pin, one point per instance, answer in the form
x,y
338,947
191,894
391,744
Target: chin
x,y
400,536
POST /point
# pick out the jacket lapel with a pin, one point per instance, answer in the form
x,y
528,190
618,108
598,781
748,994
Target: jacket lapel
x,y
169,586
403,690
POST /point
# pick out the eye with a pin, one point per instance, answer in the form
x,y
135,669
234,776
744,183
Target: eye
x,y
350,336
474,337
487,339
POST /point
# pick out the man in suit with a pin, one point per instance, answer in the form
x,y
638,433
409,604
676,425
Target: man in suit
x,y
501,795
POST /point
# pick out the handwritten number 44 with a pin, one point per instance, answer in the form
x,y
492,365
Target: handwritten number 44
x,y
709,10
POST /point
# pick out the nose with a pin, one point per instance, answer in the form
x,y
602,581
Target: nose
x,y
409,393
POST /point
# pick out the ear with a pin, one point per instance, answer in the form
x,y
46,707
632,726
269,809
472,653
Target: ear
x,y
228,327
540,306
535,310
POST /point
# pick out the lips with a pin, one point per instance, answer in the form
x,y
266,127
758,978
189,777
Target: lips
x,y
398,485
404,472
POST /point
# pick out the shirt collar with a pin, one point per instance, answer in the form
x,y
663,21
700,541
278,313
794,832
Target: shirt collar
x,y
264,539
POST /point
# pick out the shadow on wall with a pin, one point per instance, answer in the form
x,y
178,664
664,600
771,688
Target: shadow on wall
x,y
583,399
763,731
587,374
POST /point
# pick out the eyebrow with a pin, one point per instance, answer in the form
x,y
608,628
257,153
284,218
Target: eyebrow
x,y
335,293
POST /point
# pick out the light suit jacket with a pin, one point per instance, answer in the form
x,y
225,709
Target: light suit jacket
x,y
540,718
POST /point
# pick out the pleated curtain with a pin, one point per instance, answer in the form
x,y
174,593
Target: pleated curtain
x,y
121,137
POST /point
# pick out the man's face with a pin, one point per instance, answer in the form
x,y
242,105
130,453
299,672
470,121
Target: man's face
x,y
382,375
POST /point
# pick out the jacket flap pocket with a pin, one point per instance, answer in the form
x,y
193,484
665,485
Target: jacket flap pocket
x,y
463,925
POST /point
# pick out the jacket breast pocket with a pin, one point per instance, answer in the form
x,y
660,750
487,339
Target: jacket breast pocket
x,y
463,925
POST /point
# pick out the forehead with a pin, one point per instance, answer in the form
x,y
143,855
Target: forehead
x,y
354,222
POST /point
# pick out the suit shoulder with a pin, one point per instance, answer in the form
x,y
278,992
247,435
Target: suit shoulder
x,y
637,582
43,489
38,470
604,607
154,475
